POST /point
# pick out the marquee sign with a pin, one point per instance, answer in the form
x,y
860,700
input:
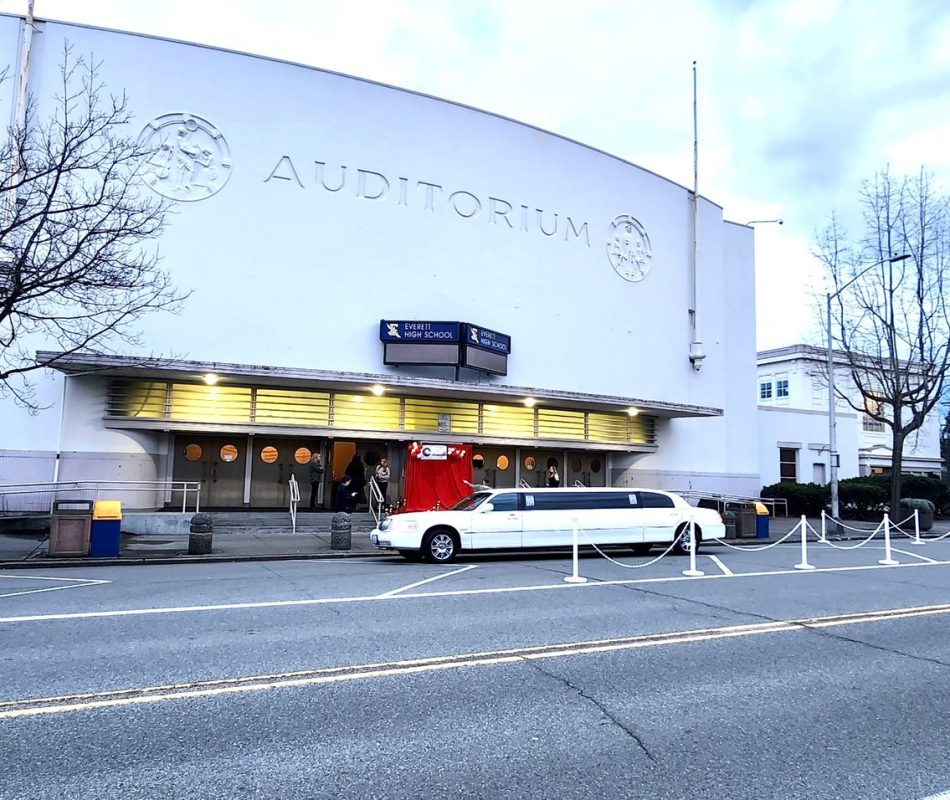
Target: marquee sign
x,y
444,344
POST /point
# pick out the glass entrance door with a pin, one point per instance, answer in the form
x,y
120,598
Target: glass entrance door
x,y
493,466
275,460
535,466
588,468
218,462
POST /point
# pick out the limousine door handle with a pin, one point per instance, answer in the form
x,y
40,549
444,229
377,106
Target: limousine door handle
x,y
512,515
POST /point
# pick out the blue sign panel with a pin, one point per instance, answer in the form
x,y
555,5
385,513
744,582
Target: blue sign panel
x,y
420,332
477,336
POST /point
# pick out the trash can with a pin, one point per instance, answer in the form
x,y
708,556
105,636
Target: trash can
x,y
745,519
761,521
69,528
106,522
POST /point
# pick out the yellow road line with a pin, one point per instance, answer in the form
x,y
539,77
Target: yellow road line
x,y
155,694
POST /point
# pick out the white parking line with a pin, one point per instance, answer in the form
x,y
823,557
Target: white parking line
x,y
427,580
136,612
71,583
916,555
723,567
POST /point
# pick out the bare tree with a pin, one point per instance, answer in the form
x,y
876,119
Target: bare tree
x,y
79,263
890,321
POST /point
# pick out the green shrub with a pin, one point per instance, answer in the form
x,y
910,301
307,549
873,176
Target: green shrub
x,y
803,498
864,498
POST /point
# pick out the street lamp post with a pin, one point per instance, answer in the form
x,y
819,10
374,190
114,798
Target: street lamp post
x,y
832,419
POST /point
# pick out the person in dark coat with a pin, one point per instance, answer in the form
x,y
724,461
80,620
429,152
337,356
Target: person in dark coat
x,y
345,496
357,475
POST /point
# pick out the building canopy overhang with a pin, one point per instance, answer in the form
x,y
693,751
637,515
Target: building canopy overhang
x,y
113,366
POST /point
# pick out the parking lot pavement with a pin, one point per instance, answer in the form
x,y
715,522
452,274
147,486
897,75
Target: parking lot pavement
x,y
196,587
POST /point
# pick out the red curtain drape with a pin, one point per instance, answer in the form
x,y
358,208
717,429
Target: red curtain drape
x,y
435,484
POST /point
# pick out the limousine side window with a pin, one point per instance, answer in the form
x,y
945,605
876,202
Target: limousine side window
x,y
654,500
573,501
505,502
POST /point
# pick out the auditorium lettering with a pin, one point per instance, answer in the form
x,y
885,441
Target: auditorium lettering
x,y
433,197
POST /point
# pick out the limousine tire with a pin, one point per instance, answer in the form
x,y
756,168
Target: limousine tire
x,y
681,548
440,546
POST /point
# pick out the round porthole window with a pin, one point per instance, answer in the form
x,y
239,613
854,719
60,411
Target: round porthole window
x,y
502,463
478,461
595,465
576,464
530,463
193,452
269,455
302,455
229,453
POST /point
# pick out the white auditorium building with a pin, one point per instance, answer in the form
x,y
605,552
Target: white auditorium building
x,y
371,267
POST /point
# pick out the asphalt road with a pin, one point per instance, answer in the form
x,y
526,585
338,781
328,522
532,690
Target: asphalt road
x,y
489,678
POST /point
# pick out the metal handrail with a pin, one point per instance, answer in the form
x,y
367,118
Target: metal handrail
x,y
294,499
724,499
523,484
54,488
377,495
578,483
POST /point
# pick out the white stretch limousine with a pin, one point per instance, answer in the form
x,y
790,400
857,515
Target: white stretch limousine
x,y
510,519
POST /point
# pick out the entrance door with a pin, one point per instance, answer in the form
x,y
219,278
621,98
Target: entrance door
x,y
535,464
218,462
275,460
493,466
588,468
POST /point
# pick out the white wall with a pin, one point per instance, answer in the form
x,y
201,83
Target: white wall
x,y
808,432
287,273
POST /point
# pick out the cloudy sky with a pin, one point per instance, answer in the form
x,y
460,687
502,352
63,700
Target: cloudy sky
x,y
799,100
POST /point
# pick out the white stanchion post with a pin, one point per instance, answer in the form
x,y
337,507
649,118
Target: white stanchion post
x,y
917,539
575,577
692,572
887,560
824,538
804,562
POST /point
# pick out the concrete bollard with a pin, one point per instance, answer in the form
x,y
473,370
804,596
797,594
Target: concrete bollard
x,y
199,540
341,529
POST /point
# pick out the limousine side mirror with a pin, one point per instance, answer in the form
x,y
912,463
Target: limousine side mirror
x,y
486,507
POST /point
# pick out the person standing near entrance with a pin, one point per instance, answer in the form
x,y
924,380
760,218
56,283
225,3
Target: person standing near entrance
x,y
381,475
345,496
316,472
554,479
357,475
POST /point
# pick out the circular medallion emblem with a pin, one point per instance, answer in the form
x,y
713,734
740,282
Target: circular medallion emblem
x,y
189,158
628,248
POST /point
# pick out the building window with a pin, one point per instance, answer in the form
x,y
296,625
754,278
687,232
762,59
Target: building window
x,y
788,464
781,388
871,425
765,390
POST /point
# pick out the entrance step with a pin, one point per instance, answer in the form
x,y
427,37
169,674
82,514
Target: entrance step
x,y
165,523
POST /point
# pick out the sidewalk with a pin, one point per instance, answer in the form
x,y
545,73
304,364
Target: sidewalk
x,y
28,550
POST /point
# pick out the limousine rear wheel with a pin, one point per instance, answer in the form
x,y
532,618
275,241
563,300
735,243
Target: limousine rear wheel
x,y
681,547
440,546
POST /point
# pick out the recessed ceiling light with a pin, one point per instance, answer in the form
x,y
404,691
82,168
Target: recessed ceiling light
x,y
377,390
633,411
210,378
529,402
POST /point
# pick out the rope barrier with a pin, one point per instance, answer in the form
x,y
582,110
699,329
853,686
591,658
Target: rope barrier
x,y
761,547
845,547
631,566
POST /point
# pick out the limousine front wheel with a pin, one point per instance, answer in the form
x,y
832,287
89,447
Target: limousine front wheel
x,y
682,539
440,546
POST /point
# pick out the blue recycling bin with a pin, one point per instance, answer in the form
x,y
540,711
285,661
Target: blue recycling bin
x,y
761,521
105,531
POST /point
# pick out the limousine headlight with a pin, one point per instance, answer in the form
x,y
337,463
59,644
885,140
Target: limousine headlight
x,y
391,523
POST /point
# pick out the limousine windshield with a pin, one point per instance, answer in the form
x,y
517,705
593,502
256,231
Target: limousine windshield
x,y
470,502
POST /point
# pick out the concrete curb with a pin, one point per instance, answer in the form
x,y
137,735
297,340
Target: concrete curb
x,y
61,563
